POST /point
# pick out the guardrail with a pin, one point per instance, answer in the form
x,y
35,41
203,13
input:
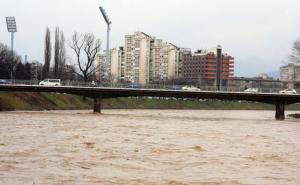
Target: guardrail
x,y
147,86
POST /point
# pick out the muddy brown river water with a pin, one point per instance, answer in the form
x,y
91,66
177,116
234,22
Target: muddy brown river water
x,y
149,147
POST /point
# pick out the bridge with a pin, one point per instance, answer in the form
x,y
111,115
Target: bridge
x,y
99,93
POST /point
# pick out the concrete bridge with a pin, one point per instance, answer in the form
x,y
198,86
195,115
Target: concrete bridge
x,y
99,93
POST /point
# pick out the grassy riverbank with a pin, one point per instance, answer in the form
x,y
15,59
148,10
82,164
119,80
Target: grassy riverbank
x,y
41,101
294,115
55,101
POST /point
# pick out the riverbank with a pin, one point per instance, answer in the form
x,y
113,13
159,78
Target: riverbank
x,y
41,101
56,101
294,115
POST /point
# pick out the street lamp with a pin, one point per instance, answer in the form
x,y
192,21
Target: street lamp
x,y
108,22
12,28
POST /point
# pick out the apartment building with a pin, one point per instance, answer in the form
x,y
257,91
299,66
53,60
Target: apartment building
x,y
148,59
290,73
137,58
165,61
145,59
101,58
115,68
117,64
182,52
202,65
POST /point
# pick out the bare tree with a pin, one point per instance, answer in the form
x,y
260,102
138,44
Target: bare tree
x,y
88,45
47,54
295,56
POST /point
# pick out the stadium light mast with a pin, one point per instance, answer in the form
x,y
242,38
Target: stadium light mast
x,y
12,28
108,22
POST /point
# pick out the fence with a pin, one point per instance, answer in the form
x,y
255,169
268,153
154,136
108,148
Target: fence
x,y
147,86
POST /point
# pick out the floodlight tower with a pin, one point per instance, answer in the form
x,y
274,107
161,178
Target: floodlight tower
x,y
12,28
108,22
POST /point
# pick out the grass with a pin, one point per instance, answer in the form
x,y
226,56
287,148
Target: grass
x,y
139,103
41,101
294,115
56,101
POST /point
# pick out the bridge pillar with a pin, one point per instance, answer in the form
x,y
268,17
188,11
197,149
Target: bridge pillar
x,y
97,105
279,115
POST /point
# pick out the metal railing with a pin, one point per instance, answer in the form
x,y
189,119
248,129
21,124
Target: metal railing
x,y
147,86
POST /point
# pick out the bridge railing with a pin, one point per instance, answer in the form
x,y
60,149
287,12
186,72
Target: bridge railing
x,y
148,86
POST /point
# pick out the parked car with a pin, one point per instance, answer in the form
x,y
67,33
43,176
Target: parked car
x,y
288,91
175,87
190,88
251,90
2,81
50,82
136,86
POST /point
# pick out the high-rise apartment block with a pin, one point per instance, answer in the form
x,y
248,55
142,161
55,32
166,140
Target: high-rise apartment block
x,y
101,61
202,65
117,68
137,57
165,61
142,60
145,59
290,73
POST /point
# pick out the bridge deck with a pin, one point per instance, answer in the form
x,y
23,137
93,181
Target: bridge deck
x,y
103,92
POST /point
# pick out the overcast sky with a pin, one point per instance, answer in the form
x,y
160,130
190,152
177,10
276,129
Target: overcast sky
x,y
258,33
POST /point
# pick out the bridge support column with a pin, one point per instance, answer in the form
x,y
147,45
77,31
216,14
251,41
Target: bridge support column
x,y
97,105
279,115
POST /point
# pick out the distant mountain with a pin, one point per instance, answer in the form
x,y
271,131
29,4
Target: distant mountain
x,y
274,74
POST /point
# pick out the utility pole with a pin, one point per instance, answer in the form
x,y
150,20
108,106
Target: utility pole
x,y
108,22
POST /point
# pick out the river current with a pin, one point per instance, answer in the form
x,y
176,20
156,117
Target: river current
x,y
149,147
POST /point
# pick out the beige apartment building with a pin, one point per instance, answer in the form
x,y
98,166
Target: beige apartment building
x,y
117,69
290,73
143,59
165,61
100,61
148,59
137,58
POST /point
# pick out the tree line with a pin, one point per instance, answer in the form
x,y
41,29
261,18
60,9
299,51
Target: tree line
x,y
60,68
11,65
85,47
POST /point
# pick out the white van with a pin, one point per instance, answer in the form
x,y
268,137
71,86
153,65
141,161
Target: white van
x,y
190,88
50,82
288,91
251,90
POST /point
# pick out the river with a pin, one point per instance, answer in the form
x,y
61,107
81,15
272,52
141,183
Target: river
x,y
171,147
